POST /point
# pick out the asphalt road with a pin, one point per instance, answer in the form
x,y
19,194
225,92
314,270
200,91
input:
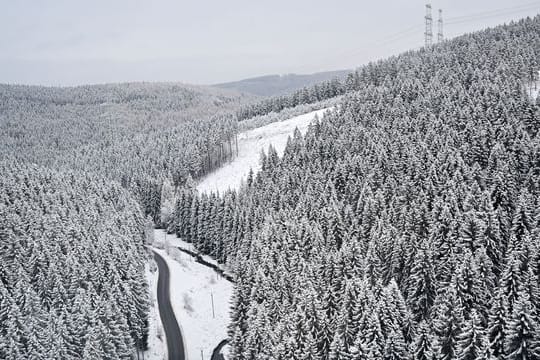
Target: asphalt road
x,y
172,330
216,354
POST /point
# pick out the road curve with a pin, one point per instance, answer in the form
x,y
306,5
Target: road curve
x,y
175,345
216,355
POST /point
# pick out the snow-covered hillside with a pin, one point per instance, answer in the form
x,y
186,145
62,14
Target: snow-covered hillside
x,y
250,145
194,286
195,290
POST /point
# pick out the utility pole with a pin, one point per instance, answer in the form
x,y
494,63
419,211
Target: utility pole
x,y
212,297
440,36
166,242
429,27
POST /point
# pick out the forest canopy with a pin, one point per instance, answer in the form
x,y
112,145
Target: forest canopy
x,y
81,168
403,225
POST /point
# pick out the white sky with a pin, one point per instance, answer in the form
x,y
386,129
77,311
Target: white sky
x,y
67,42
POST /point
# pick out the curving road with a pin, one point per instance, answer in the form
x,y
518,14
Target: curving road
x,y
168,319
216,355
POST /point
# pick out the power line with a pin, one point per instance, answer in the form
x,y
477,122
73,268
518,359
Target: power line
x,y
488,15
398,36
403,34
482,18
528,5
413,30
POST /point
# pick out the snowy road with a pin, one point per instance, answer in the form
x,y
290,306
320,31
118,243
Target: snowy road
x,y
216,355
175,344
200,297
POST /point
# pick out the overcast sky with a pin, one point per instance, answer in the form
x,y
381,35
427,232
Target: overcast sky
x,y
55,42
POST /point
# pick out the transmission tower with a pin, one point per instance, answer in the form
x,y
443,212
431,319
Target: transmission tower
x,y
440,36
429,26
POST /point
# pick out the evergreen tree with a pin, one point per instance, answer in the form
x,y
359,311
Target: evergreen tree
x,y
447,322
497,324
422,346
521,341
395,347
421,285
471,340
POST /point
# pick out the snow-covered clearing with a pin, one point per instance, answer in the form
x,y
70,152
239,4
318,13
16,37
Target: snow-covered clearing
x,y
250,145
534,90
165,240
157,345
200,300
162,238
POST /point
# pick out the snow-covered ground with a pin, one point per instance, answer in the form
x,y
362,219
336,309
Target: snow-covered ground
x,y
157,344
162,238
171,240
250,145
534,90
225,351
194,287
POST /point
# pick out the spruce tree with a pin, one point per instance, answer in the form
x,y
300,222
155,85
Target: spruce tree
x,y
471,339
522,331
422,347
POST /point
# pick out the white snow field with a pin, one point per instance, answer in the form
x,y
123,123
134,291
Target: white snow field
x,y
250,145
534,90
194,287
172,240
157,345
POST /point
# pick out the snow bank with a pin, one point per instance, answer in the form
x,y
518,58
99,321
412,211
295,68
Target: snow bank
x,y
157,344
225,351
162,239
250,145
193,289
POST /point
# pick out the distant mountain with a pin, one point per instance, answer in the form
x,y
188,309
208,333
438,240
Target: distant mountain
x,y
280,84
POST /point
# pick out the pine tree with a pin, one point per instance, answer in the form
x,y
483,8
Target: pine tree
x,y
497,319
522,219
395,347
522,333
422,346
15,334
338,348
421,285
471,339
512,277
494,243
468,283
447,320
237,344
93,347
373,338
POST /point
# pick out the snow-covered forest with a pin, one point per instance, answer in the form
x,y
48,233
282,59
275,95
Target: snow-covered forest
x,y
72,251
404,226
72,284
137,134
